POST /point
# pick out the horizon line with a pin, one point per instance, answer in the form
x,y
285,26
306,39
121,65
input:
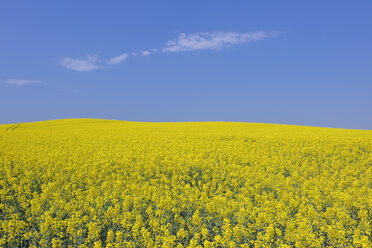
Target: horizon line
x,y
171,122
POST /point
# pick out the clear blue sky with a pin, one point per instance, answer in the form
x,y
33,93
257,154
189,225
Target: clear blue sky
x,y
291,62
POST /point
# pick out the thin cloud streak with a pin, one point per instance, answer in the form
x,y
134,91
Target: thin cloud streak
x,y
117,59
21,82
184,42
214,40
145,53
88,63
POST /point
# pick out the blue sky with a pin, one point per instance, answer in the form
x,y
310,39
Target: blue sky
x,y
290,62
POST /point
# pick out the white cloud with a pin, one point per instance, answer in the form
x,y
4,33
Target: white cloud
x,y
184,42
88,63
117,59
21,82
214,40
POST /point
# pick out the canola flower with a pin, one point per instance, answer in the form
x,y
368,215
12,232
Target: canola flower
x,y
99,183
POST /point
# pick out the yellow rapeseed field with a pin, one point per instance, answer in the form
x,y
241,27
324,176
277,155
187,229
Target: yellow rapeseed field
x,y
100,183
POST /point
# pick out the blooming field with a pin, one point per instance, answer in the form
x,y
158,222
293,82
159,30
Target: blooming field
x,y
98,183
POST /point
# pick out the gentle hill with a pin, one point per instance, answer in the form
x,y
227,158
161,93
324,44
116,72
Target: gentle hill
x,y
106,183
225,127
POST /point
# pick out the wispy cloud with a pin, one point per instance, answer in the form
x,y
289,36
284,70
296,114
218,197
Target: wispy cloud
x,y
117,59
184,42
21,82
145,53
88,63
214,40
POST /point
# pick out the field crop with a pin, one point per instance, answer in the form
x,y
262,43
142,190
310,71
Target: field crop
x,y
100,183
